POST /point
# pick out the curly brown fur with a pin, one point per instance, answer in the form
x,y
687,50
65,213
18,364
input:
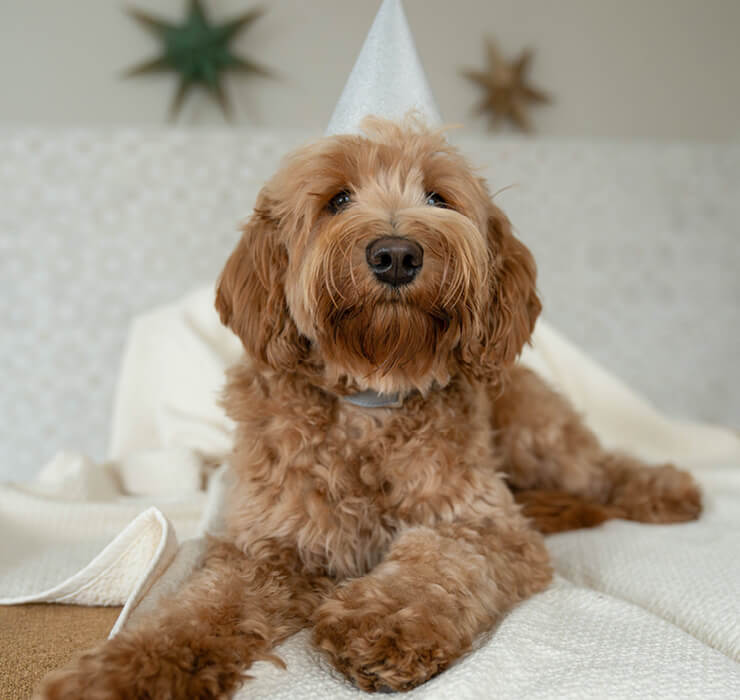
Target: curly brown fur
x,y
562,476
392,532
231,613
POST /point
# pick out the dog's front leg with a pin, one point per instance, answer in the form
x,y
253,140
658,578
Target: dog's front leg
x,y
231,613
425,604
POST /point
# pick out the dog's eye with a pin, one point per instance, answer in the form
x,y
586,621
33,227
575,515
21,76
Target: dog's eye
x,y
339,201
436,200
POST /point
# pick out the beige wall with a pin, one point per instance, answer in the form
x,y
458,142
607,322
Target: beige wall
x,y
618,68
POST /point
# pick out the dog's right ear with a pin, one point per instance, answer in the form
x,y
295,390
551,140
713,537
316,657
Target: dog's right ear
x,y
250,293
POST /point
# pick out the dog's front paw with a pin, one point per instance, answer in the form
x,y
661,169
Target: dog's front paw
x,y
660,495
383,644
380,654
174,664
88,677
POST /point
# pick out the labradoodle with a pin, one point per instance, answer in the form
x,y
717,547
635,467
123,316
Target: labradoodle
x,y
395,469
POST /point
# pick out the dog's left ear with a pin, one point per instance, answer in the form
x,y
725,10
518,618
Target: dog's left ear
x,y
250,293
513,306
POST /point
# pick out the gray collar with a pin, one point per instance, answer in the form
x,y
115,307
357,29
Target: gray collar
x,y
372,399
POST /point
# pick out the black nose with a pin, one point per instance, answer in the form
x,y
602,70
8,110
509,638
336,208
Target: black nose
x,y
394,260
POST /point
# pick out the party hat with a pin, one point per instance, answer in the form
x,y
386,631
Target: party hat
x,y
387,79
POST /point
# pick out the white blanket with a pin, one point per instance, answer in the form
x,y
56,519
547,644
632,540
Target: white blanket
x,y
634,610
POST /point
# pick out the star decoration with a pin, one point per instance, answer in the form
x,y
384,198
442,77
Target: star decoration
x,y
198,51
507,92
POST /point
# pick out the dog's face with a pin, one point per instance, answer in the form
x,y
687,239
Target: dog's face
x,y
379,262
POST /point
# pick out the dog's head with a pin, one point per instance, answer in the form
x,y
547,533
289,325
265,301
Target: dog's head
x,y
379,261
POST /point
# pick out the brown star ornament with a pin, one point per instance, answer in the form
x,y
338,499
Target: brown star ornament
x,y
507,94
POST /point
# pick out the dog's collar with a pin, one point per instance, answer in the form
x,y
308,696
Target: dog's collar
x,y
373,399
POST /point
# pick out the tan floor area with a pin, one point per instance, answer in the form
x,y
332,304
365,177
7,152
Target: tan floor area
x,y
35,639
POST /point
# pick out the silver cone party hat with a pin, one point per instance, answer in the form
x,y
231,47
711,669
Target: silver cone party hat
x,y
387,79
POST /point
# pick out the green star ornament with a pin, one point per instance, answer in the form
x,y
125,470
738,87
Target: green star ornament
x,y
198,51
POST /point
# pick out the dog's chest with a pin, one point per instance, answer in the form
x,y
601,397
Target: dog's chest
x,y
377,470
340,480
391,458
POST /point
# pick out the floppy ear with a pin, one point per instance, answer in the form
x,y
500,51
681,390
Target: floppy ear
x,y
513,306
250,296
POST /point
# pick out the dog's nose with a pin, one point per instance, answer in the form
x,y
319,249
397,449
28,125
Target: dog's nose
x,y
394,260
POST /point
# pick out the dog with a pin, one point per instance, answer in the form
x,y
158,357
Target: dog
x,y
395,469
